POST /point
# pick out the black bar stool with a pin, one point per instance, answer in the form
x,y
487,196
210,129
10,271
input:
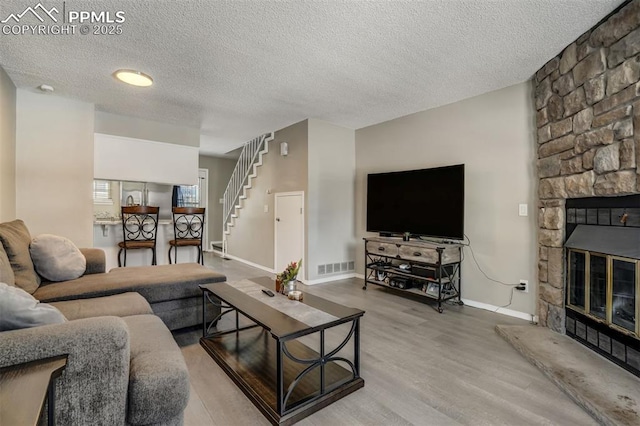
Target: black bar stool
x,y
139,228
188,227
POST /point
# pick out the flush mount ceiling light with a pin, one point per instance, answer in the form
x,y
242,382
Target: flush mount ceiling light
x,y
134,78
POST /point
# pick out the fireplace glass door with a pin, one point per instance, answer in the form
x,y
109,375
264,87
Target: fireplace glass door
x,y
577,278
598,286
623,312
604,287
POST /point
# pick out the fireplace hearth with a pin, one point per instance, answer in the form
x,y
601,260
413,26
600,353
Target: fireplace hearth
x,y
603,276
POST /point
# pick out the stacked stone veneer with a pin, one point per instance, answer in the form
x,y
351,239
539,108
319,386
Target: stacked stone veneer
x,y
588,132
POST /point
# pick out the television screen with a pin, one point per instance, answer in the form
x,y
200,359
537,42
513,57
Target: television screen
x,y
427,202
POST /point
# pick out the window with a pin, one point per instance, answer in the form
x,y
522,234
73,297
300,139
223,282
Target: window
x,y
102,192
187,196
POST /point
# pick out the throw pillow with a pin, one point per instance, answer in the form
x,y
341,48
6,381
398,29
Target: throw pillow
x,y
6,272
19,309
57,258
15,239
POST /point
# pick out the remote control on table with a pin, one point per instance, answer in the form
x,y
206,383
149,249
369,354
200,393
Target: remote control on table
x,y
268,293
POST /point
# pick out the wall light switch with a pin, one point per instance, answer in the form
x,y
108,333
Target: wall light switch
x,y
266,208
523,210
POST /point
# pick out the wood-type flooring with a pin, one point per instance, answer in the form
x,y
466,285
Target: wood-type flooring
x,y
420,368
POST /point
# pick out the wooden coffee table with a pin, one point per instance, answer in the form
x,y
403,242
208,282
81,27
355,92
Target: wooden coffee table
x,y
286,379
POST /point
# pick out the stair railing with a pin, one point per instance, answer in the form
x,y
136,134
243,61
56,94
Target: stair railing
x,y
239,178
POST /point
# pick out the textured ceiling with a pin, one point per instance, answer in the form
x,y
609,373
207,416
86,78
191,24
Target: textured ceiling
x,y
237,69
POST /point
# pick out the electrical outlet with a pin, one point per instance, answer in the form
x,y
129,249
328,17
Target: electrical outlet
x,y
525,283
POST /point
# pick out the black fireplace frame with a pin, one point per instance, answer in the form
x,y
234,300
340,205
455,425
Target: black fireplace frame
x,y
617,346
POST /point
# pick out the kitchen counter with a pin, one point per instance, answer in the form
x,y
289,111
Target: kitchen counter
x,y
119,222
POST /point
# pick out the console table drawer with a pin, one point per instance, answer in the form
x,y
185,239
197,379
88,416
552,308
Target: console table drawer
x,y
429,255
386,249
419,254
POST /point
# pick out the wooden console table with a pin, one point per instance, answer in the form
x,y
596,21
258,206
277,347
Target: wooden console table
x,y
421,268
24,388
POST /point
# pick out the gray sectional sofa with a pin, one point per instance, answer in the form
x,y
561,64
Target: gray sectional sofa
x,y
123,368
171,290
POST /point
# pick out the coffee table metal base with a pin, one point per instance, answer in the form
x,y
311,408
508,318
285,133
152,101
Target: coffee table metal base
x,y
249,359
285,379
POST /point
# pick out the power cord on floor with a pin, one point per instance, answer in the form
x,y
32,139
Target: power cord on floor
x,y
512,285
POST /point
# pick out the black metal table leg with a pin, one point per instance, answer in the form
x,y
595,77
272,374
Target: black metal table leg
x,y
279,378
204,314
356,348
51,397
322,362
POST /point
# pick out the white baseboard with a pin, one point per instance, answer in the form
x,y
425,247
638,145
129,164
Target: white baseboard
x,y
328,279
499,310
492,308
246,262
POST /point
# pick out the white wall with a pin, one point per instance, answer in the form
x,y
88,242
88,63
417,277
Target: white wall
x,y
331,196
493,135
7,148
131,127
138,160
54,166
252,238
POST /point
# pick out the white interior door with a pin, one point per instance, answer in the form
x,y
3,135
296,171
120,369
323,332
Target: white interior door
x,y
289,230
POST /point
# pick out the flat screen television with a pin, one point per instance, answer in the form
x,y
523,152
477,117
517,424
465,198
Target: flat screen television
x,y
426,202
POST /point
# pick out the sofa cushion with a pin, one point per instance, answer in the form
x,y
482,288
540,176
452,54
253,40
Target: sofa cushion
x,y
6,273
56,258
155,283
119,305
15,239
95,260
19,310
158,376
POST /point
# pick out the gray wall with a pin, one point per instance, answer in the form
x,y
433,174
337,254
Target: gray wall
x,y
131,127
54,166
220,170
7,148
331,196
252,238
493,134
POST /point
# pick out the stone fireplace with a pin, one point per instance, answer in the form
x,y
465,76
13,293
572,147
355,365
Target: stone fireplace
x,y
587,103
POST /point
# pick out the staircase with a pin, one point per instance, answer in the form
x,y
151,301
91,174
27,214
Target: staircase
x,y
245,170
